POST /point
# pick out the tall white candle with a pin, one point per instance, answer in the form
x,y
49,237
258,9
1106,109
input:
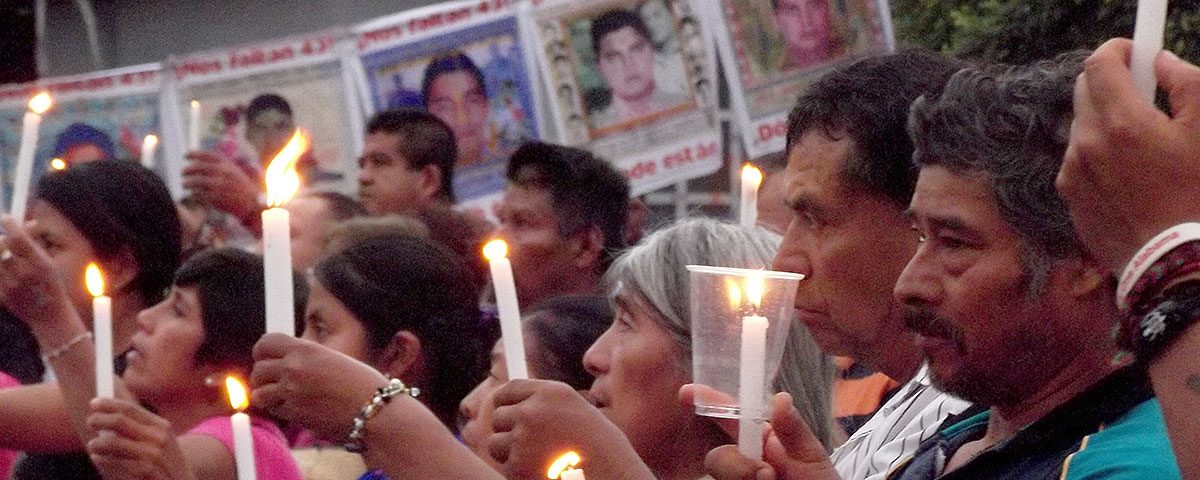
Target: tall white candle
x,y
751,381
102,331
23,176
496,252
149,145
282,184
751,179
243,440
1147,42
194,126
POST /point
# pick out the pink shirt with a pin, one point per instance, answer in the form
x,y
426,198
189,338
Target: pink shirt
x,y
272,458
7,457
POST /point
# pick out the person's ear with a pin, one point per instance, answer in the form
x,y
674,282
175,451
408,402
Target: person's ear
x,y
120,271
400,355
431,181
588,247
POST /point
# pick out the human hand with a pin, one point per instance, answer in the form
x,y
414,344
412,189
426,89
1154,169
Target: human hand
x,y
30,286
1131,171
133,443
313,386
219,182
791,451
538,420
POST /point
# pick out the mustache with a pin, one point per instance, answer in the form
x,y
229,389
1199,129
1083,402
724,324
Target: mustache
x,y
927,323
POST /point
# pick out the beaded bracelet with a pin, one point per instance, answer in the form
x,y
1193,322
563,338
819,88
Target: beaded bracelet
x,y
354,441
1148,262
1179,262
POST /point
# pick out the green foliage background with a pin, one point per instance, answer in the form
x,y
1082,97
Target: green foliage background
x,y
1021,31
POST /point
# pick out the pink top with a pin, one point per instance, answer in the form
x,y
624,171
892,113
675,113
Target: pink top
x,y
272,458
7,457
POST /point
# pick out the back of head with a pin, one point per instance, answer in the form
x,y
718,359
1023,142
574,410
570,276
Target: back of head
x,y
1010,124
83,134
457,232
423,140
341,206
868,102
360,229
228,283
415,285
121,206
585,191
561,329
613,20
268,101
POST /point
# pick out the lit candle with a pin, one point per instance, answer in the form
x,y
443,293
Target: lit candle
x,y
38,105
57,164
496,252
752,371
194,127
283,182
149,144
102,330
243,441
752,177
564,468
1147,42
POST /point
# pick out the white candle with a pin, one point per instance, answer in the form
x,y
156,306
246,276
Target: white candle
x,y
572,474
149,144
277,260
752,371
1147,42
102,331
751,179
243,440
194,127
23,176
506,304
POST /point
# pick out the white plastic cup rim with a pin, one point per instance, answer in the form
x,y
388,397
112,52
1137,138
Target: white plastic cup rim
x,y
745,272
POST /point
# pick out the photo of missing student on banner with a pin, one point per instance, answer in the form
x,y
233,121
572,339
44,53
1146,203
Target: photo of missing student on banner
x,y
477,79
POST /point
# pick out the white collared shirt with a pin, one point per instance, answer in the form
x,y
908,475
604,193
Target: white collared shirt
x,y
892,435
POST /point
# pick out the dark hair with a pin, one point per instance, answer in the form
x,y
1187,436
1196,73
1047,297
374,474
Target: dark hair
x,y
120,205
424,140
614,20
267,101
454,61
229,285
585,191
83,134
459,234
1010,124
563,328
868,101
341,207
415,285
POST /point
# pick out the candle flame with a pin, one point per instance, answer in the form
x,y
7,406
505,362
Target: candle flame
x,y
94,280
495,250
40,103
195,104
735,293
754,288
58,164
753,174
567,461
283,182
238,398
151,140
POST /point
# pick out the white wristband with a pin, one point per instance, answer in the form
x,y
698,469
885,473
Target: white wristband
x,y
1150,253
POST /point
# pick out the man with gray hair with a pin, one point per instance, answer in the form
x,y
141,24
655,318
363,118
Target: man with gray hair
x,y
1009,310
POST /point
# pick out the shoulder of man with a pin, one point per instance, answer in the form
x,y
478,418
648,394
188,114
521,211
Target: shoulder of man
x,y
1134,447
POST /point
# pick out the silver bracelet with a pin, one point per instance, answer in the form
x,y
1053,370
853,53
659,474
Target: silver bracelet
x,y
64,348
354,441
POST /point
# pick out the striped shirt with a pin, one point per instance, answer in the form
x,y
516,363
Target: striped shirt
x,y
890,437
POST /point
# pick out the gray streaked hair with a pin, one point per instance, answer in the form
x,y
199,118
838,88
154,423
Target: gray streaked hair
x,y
1010,124
655,272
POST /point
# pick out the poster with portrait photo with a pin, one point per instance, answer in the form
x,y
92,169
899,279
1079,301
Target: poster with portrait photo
x,y
96,116
773,49
471,71
252,98
632,80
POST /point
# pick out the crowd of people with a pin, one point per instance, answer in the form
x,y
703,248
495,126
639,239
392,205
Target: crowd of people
x,y
1001,281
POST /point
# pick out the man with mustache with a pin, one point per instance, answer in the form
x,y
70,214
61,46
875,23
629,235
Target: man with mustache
x,y
1009,310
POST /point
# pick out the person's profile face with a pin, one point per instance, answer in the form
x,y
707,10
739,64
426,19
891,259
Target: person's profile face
x,y
328,322
458,99
269,131
626,61
805,27
540,254
68,249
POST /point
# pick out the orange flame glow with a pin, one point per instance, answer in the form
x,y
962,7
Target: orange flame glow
x,y
567,461
94,280
238,398
283,182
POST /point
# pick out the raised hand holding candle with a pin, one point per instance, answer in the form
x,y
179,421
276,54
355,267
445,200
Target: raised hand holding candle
x,y
283,182
38,105
496,252
753,370
1147,42
102,330
243,440
194,126
563,468
149,144
752,178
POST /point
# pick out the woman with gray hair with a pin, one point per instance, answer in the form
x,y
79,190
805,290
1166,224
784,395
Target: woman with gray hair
x,y
642,361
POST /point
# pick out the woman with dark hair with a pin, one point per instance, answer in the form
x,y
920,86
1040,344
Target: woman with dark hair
x,y
120,215
203,331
